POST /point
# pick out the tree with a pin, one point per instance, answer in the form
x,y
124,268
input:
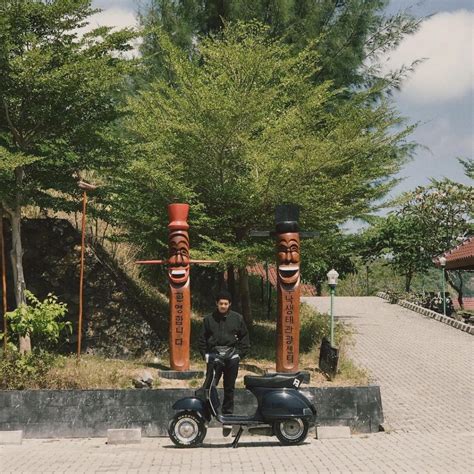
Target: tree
x,y
58,92
332,249
428,222
348,34
239,128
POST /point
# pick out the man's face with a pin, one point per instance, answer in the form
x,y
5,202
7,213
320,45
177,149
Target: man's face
x,y
223,306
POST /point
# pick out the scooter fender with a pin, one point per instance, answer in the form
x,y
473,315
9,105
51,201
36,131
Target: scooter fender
x,y
281,404
193,404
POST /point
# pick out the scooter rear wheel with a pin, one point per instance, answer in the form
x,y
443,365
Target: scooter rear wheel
x,y
291,431
187,429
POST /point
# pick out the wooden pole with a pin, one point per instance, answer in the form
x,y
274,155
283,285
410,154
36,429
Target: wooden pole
x,y
81,279
4,283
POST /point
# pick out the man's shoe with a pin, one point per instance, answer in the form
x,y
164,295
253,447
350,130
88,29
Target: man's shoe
x,y
226,430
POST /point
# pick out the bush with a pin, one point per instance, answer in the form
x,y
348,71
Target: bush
x,y
19,372
41,320
314,326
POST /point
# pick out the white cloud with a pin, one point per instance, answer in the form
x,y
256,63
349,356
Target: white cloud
x,y
446,40
115,17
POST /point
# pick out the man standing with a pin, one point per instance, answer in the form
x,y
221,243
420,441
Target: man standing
x,y
224,328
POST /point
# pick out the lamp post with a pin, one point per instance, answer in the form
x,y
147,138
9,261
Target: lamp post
x,y
442,262
84,187
332,282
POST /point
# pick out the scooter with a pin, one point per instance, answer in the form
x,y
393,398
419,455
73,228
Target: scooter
x,y
282,410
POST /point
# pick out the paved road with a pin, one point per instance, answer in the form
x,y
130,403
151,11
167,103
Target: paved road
x,y
425,370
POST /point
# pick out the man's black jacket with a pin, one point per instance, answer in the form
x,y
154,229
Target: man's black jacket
x,y
224,330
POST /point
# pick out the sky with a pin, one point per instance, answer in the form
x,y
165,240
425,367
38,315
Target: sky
x,y
438,96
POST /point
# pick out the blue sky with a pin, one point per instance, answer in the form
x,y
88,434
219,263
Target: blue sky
x,y
439,95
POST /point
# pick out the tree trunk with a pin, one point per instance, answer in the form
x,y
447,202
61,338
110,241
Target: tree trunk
x,y
459,288
319,288
408,277
16,256
245,296
231,282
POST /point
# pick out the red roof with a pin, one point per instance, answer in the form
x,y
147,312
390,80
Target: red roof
x,y
460,257
259,269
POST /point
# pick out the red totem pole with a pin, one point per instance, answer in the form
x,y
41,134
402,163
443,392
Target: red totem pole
x,y
288,288
179,285
180,293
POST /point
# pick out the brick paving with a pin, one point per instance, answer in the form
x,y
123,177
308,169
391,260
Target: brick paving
x,y
424,367
425,372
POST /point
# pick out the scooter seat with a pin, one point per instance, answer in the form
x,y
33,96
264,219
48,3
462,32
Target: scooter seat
x,y
276,380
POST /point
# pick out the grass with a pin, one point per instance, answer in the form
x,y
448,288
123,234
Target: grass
x,y
95,372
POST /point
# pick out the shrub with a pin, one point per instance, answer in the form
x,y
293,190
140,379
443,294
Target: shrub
x,y
19,372
41,320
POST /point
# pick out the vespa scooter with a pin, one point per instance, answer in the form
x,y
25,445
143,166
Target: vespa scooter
x,y
282,410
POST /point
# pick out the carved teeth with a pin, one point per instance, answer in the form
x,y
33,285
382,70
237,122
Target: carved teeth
x,y
178,273
289,268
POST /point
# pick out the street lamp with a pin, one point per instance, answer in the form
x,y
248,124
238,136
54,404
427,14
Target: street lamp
x,y
332,282
84,187
442,262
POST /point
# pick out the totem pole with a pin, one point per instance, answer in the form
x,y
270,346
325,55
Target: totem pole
x,y
178,264
288,288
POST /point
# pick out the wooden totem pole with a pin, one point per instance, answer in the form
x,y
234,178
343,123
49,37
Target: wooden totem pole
x,y
178,264
288,288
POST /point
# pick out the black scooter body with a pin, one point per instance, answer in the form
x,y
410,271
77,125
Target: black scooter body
x,y
278,402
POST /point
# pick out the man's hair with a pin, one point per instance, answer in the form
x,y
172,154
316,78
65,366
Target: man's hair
x,y
224,295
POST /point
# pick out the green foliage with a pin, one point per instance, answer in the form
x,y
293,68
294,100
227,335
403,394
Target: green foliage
x,y
20,372
349,35
239,128
429,221
59,91
468,165
41,320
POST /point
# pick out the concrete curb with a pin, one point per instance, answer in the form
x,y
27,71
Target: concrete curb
x,y
11,437
333,432
124,436
431,314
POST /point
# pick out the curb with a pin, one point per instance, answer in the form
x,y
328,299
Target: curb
x,y
431,314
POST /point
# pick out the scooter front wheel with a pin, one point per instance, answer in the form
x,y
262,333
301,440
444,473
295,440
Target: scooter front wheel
x,y
291,431
187,429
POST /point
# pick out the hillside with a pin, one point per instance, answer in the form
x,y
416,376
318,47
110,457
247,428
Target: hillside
x,y
120,318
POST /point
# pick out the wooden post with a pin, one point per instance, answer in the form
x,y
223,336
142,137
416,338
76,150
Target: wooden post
x,y
85,187
288,289
178,264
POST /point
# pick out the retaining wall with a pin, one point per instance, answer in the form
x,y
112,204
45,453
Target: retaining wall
x,y
89,413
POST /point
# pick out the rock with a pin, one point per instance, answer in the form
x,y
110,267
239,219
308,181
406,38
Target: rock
x,y
143,380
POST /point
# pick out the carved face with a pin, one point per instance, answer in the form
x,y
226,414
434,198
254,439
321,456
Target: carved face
x,y
289,258
178,261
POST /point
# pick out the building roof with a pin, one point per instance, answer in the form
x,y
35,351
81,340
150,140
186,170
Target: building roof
x,y
460,257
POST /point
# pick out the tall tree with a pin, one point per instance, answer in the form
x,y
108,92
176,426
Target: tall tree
x,y
348,34
238,128
429,221
58,92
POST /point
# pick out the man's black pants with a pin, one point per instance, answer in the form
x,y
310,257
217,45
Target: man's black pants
x,y
230,371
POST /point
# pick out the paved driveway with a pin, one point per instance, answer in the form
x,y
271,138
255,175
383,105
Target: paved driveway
x,y
424,368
